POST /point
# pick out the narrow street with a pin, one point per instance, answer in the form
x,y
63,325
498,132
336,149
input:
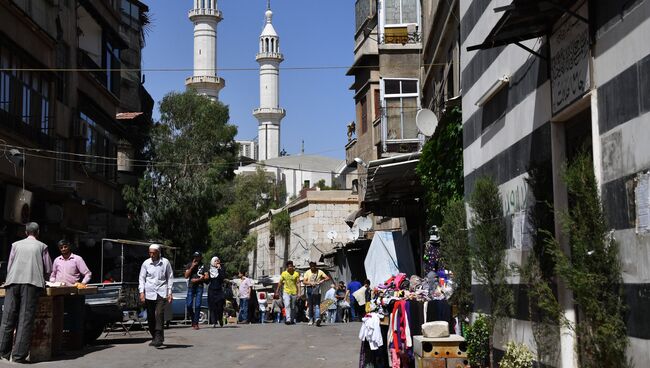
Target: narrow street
x,y
268,345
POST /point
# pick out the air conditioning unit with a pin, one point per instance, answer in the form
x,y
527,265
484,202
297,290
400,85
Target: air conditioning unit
x,y
18,204
67,185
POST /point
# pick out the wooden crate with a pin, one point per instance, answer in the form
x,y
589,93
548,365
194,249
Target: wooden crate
x,y
430,362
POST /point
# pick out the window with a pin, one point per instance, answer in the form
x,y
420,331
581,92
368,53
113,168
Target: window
x,y
27,99
112,69
24,95
377,102
97,142
130,14
5,82
45,110
401,105
363,106
306,184
400,12
62,163
364,10
400,19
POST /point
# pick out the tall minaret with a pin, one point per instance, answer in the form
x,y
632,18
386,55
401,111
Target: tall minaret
x,y
205,17
269,114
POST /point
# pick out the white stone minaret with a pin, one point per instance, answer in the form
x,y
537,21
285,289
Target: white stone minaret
x,y
269,114
205,17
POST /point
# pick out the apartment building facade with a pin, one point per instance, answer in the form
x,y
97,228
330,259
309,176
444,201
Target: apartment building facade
x,y
71,102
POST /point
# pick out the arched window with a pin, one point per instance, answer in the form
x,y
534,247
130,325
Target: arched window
x,y
272,45
267,45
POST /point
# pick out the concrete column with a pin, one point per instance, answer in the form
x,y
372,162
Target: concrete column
x,y
568,354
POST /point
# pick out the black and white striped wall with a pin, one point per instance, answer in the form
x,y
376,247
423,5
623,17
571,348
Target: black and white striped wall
x,y
516,129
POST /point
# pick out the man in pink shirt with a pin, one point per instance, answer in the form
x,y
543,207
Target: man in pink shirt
x,y
69,267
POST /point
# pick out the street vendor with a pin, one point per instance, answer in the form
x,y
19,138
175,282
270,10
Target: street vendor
x,y
69,268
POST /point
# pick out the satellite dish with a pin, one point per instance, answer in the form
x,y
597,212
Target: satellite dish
x,y
351,235
426,122
364,223
355,231
331,235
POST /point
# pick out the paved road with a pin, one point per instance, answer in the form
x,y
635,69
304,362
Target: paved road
x,y
268,345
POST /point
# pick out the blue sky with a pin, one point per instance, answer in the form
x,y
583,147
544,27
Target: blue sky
x,y
312,33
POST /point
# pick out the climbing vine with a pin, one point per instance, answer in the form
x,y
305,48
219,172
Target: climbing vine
x,y
281,223
441,165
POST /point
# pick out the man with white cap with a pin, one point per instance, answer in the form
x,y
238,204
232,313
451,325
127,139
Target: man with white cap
x,y
155,291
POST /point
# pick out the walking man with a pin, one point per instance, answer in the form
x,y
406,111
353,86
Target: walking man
x,y
355,313
155,291
28,267
312,280
196,274
290,284
244,294
69,267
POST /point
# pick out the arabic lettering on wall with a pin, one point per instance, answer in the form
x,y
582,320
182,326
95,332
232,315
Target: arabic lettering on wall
x,y
570,68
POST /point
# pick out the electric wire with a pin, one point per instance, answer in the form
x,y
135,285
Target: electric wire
x,y
112,161
185,69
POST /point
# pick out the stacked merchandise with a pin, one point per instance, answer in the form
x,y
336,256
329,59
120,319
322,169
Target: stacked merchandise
x,y
401,304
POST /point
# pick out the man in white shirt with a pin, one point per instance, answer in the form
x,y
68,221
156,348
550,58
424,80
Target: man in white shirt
x,y
155,291
330,303
245,285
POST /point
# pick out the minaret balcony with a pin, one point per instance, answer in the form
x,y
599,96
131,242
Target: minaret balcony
x,y
205,81
204,12
269,113
269,55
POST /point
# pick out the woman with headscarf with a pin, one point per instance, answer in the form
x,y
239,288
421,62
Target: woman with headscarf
x,y
216,296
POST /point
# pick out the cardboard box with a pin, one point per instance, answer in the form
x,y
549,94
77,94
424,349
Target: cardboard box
x,y
440,347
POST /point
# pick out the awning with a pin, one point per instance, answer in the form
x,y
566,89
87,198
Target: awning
x,y
393,187
524,20
349,220
127,115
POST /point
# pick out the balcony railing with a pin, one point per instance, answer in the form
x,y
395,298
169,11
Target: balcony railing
x,y
399,37
102,76
43,136
204,12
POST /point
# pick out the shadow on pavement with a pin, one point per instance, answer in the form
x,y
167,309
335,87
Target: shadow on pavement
x,y
76,354
122,341
175,346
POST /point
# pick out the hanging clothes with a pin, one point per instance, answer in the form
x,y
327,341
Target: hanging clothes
x,y
399,335
370,331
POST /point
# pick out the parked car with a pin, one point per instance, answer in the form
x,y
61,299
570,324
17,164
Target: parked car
x,y
179,294
117,284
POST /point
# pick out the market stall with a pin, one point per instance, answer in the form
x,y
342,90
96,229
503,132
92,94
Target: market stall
x,y
409,321
59,320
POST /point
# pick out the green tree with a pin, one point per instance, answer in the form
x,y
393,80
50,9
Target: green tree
x,y
455,251
191,151
488,242
592,271
250,196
